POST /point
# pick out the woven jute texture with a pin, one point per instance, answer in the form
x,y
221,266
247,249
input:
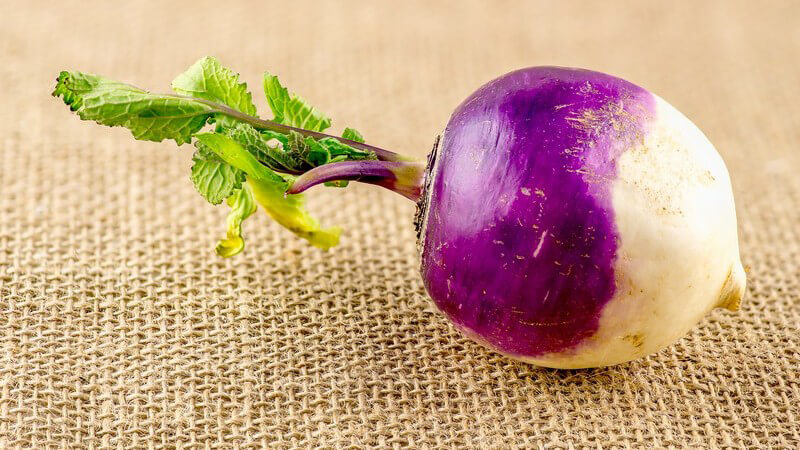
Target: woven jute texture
x,y
120,328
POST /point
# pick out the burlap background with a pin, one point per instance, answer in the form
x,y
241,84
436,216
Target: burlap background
x,y
119,327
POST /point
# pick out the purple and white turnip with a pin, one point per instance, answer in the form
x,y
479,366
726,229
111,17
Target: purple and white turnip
x,y
566,217
577,220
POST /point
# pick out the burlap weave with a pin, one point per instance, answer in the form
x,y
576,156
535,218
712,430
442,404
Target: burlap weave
x,y
120,328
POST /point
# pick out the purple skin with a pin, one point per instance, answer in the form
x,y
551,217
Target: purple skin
x,y
520,240
517,227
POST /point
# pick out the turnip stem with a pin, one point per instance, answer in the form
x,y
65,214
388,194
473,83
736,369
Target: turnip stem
x,y
404,177
383,155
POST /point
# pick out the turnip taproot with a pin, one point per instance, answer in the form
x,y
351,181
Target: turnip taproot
x,y
566,217
575,220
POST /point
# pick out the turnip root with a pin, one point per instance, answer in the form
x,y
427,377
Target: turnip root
x,y
572,219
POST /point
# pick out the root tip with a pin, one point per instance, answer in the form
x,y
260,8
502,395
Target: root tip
x,y
733,289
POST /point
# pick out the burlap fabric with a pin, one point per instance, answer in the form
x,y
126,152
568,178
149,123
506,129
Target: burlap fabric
x,y
120,328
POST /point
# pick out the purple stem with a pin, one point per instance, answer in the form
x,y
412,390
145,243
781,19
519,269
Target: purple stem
x,y
403,177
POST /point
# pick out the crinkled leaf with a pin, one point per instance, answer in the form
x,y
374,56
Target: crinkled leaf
x,y
289,211
289,109
149,116
353,135
337,148
234,154
242,206
282,138
208,79
213,178
297,146
301,153
267,148
317,154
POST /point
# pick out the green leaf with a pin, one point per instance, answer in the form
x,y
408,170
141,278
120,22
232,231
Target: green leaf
x,y
337,148
243,205
208,79
317,154
270,191
290,109
297,146
289,211
149,116
267,148
237,151
299,153
213,178
353,135
283,139
234,154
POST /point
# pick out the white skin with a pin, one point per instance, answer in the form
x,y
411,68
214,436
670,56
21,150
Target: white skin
x,y
678,254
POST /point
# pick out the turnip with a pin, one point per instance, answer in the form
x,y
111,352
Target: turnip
x,y
565,217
